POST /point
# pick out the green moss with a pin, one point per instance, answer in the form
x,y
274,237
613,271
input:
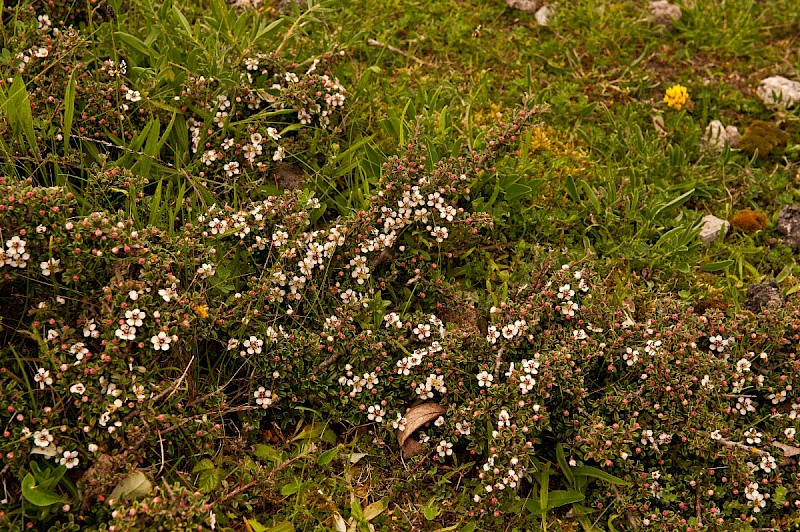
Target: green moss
x,y
761,138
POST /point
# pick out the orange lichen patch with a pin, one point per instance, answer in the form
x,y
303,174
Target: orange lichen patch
x,y
749,221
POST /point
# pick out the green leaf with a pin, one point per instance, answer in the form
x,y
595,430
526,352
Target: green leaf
x,y
267,452
135,43
559,498
134,485
291,488
18,110
430,512
718,266
785,273
589,471
209,480
37,495
562,463
375,509
572,190
328,456
285,526
355,510
69,109
674,203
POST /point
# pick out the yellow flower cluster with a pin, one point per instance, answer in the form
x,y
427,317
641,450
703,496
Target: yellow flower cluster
x,y
676,97
201,311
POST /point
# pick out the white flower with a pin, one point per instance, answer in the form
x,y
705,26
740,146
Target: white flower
x,y
445,448
51,266
134,317
743,365
752,436
504,419
126,332
768,463
43,378
751,491
375,413
440,233
790,433
273,133
205,271
400,423
78,388
253,345
161,341
69,459
167,293
42,438
279,154
133,96
485,379
263,397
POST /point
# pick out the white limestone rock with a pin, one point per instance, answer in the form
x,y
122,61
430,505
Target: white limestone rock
x,y
542,16
665,13
713,229
717,136
528,6
778,91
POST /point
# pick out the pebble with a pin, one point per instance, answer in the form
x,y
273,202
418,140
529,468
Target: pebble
x,y
778,91
713,229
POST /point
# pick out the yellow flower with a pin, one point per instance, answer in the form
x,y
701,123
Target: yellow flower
x,y
201,311
676,97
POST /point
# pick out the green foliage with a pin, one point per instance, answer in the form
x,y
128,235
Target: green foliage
x,y
242,247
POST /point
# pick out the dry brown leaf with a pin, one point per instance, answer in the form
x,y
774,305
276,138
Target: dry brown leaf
x,y
416,417
788,450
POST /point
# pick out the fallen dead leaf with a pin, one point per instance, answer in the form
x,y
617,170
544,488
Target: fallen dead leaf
x,y
416,417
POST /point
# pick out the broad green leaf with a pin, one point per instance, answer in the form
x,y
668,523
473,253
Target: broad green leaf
x,y
291,488
559,498
203,465
37,495
209,480
430,512
267,452
328,456
572,189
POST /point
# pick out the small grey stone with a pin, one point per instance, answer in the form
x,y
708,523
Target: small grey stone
x,y
665,13
788,225
717,136
713,229
529,6
764,295
543,14
778,91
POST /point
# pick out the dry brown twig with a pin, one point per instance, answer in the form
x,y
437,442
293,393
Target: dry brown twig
x,y
373,42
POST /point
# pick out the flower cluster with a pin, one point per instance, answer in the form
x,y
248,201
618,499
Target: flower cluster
x,y
676,97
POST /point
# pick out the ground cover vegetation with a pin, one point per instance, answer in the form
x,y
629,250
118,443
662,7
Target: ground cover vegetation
x,y
396,265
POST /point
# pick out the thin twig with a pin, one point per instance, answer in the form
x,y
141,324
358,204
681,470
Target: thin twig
x,y
373,42
498,360
258,480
